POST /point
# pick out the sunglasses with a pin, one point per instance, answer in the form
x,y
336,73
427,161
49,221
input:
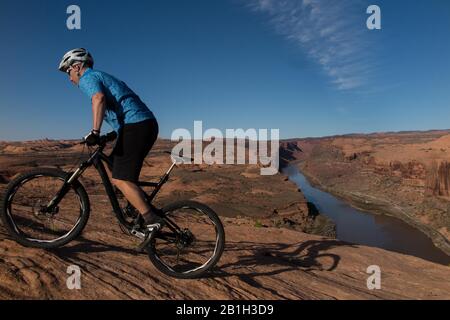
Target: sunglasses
x,y
69,70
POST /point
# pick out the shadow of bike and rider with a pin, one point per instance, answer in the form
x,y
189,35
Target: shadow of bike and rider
x,y
248,259
270,259
280,257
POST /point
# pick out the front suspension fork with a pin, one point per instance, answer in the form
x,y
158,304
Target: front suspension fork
x,y
68,182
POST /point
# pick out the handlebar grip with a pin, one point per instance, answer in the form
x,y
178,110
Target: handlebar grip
x,y
105,138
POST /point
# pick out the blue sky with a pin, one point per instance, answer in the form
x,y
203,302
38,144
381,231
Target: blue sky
x,y
307,67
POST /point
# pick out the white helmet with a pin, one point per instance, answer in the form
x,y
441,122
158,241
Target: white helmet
x,y
76,55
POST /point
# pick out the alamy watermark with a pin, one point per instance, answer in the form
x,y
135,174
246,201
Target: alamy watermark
x,y
374,280
73,21
374,21
229,148
73,282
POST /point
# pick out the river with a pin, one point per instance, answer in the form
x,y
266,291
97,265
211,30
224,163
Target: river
x,y
360,227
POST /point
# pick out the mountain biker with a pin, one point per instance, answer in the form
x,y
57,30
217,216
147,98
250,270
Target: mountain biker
x,y
137,128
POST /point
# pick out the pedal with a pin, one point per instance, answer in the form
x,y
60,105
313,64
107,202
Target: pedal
x,y
147,241
138,234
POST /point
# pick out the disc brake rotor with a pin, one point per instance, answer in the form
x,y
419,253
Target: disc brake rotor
x,y
41,212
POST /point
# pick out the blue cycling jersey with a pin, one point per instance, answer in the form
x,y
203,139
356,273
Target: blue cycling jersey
x,y
123,106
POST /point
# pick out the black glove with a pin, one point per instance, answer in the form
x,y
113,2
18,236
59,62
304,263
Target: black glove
x,y
93,138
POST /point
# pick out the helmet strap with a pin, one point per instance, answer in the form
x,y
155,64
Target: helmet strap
x,y
81,67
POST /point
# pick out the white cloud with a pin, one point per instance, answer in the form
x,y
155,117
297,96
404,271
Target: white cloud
x,y
331,33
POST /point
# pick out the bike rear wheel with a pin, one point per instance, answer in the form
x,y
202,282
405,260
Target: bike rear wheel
x,y
23,209
191,242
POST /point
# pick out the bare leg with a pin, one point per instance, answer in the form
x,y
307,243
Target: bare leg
x,y
133,193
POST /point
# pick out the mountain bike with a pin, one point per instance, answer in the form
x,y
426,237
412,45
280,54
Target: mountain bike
x,y
47,208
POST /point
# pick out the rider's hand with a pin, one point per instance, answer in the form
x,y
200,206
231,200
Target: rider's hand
x,y
93,138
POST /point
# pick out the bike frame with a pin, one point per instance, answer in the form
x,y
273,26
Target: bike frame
x,y
97,159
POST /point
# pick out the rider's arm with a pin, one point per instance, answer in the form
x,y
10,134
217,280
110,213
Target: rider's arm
x,y
98,110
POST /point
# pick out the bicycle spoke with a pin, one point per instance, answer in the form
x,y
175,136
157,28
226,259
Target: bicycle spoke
x,y
27,214
192,246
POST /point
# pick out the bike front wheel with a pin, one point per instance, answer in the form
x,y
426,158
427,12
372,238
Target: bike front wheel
x,y
23,209
191,242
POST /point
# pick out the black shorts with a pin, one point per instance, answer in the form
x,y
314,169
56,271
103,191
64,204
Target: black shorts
x,y
132,146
